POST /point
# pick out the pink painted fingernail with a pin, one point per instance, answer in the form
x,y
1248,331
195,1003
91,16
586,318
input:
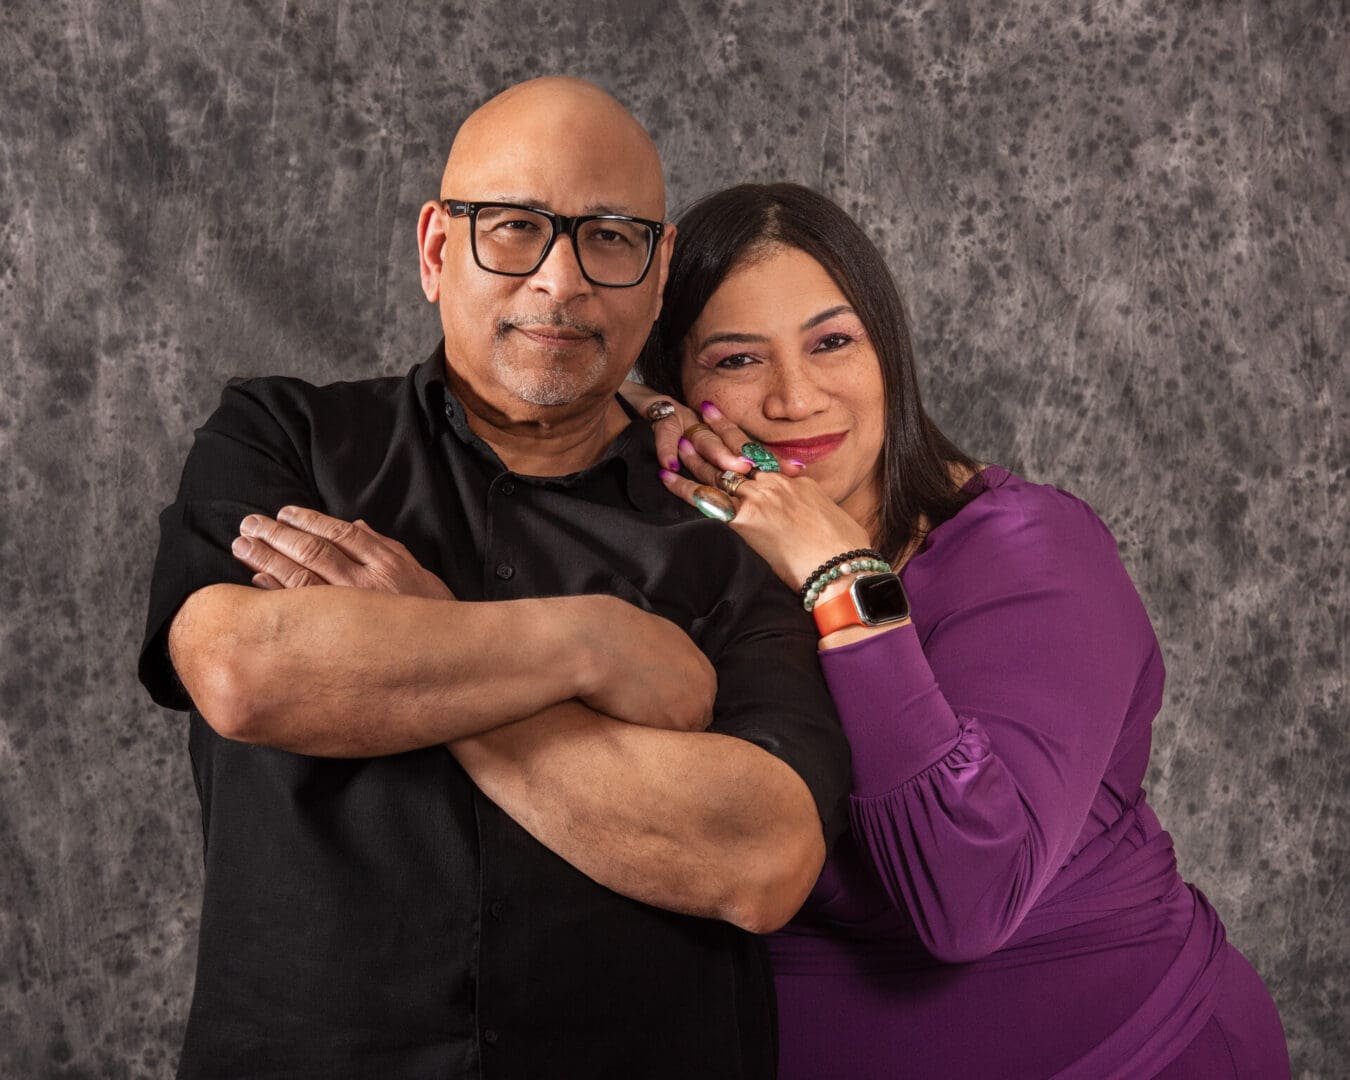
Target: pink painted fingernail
x,y
666,474
674,463
709,409
685,444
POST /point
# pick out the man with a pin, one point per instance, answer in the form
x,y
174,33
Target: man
x,y
568,891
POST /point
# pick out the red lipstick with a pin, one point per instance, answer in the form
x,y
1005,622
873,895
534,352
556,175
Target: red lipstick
x,y
816,448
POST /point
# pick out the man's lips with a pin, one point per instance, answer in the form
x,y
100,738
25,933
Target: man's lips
x,y
806,450
554,337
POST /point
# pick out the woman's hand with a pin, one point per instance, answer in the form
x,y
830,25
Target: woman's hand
x,y
787,519
670,428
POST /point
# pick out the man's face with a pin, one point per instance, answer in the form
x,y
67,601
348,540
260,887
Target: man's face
x,y
537,345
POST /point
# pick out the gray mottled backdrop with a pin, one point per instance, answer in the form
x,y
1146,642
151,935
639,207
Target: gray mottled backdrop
x,y
1121,227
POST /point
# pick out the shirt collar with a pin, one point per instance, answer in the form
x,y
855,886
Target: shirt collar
x,y
632,455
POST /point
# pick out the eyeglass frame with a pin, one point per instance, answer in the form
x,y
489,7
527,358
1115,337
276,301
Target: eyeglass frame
x,y
561,223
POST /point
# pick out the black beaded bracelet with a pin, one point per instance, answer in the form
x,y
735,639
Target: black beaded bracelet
x,y
830,564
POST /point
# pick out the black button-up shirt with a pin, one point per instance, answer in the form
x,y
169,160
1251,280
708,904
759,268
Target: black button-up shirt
x,y
381,917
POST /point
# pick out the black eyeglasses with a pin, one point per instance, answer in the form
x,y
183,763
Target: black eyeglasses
x,y
613,250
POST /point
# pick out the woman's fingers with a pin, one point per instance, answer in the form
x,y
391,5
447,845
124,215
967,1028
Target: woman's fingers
x,y
668,428
733,438
686,489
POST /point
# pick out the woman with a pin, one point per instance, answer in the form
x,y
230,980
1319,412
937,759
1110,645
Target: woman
x,y
1006,903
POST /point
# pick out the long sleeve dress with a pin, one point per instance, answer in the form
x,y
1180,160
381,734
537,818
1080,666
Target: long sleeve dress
x,y
1006,903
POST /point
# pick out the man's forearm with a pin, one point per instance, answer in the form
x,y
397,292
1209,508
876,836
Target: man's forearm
x,y
700,823
341,672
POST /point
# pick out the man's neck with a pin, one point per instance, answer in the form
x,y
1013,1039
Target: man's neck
x,y
544,440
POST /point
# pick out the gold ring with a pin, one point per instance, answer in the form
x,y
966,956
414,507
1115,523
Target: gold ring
x,y
730,480
694,429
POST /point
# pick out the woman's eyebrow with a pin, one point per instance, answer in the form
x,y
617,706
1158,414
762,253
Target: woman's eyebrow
x,y
816,320
739,339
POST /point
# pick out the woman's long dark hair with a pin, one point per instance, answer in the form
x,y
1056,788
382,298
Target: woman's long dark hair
x,y
718,234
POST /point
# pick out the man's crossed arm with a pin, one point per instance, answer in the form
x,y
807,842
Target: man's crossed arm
x,y
582,717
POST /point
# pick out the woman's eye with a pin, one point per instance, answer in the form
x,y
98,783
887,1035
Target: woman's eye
x,y
830,342
735,362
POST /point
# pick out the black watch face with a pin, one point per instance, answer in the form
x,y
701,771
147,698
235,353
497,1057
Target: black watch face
x,y
881,599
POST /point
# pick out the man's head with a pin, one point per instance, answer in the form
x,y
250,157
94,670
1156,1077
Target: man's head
x,y
550,341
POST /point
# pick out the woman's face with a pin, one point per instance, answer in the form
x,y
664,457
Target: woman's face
x,y
779,350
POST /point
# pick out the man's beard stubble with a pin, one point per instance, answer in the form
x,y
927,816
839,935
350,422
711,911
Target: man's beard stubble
x,y
548,386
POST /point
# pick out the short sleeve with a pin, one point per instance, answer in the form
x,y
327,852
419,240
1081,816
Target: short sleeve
x,y
243,460
770,691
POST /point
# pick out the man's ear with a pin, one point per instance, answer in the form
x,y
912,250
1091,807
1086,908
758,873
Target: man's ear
x,y
431,248
663,252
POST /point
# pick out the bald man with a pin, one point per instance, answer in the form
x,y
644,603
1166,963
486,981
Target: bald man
x,y
643,765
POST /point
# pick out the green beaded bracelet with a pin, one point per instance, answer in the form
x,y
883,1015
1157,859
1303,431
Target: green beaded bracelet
x,y
857,566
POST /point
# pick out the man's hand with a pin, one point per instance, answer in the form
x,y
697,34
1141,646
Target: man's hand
x,y
304,547
639,667
647,670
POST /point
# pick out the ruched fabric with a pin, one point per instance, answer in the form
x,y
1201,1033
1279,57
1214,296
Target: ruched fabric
x,y
1006,904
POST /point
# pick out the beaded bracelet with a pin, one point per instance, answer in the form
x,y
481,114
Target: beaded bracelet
x,y
855,566
828,564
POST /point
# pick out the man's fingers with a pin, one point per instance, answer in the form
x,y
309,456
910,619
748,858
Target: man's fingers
x,y
269,565
357,544
311,552
387,541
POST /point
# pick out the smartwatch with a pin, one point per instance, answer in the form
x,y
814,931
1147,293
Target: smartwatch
x,y
871,600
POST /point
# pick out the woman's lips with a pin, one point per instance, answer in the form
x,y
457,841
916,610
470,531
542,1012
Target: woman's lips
x,y
806,450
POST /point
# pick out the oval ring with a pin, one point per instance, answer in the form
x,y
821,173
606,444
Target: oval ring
x,y
714,504
659,410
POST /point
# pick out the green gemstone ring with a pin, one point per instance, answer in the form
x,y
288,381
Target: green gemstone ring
x,y
760,458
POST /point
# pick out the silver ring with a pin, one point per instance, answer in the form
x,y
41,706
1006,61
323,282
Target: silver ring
x,y
659,410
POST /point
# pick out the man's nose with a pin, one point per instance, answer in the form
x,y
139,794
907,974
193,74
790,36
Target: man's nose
x,y
560,274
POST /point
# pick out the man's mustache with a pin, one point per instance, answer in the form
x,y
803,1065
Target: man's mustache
x,y
554,319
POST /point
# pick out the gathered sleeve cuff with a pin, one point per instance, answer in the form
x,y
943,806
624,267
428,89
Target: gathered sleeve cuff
x,y
891,708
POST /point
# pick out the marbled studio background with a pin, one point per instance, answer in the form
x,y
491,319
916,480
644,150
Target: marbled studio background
x,y
1122,230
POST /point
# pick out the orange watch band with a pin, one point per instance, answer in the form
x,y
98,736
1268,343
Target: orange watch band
x,y
836,613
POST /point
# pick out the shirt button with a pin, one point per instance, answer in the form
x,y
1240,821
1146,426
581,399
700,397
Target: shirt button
x,y
490,1037
505,572
507,488
496,908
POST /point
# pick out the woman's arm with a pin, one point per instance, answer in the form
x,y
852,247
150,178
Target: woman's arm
x,y
977,757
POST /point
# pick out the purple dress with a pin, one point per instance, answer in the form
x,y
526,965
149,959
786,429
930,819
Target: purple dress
x,y
1006,903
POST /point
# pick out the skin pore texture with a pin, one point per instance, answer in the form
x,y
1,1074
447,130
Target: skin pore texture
x,y
603,759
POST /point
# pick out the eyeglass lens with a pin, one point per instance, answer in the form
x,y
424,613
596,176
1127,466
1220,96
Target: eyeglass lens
x,y
610,252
